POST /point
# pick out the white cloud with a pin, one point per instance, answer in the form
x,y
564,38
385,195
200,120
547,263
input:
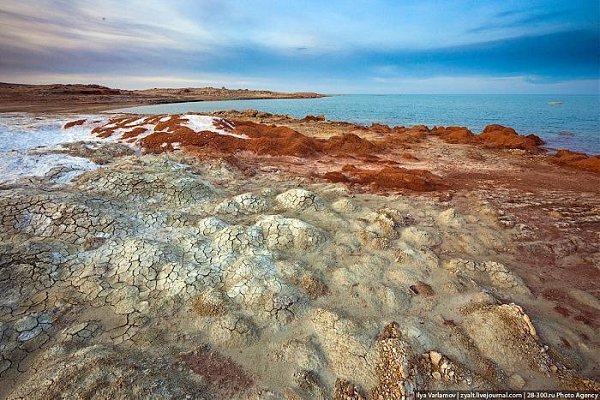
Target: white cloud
x,y
93,25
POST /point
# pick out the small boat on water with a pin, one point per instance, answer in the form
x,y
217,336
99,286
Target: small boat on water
x,y
555,102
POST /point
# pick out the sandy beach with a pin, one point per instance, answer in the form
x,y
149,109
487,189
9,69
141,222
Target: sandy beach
x,y
252,255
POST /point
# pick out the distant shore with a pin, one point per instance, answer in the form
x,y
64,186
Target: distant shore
x,y
94,98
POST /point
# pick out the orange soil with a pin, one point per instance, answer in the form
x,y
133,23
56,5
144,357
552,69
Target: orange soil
x,y
133,133
388,178
261,139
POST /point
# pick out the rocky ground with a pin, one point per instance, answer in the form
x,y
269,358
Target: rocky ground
x,y
249,255
94,98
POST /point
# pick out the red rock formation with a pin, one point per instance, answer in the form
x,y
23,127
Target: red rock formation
x,y
106,130
577,160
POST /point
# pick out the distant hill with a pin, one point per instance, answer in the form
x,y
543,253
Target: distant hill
x,y
16,97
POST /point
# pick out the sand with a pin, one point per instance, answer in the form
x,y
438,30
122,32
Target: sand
x,y
229,265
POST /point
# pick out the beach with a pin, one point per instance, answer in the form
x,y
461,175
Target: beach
x,y
245,254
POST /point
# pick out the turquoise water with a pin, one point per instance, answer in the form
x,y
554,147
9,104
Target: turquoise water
x,y
578,115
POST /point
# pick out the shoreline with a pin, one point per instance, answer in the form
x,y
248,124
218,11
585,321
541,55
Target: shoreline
x,y
570,129
79,98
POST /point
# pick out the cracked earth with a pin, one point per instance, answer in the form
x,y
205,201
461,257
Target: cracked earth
x,y
173,275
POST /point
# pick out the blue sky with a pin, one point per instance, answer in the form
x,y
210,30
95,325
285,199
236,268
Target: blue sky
x,y
355,46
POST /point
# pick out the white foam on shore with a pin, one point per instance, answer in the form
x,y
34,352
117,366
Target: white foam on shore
x,y
27,131
22,133
24,137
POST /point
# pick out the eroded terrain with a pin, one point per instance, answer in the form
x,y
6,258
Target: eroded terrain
x,y
218,258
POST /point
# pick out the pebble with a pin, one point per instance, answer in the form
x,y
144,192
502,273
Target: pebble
x,y
516,381
435,357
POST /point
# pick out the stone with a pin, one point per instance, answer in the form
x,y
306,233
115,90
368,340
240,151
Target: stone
x,y
26,323
435,357
516,381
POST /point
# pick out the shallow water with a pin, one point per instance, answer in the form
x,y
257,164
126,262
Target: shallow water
x,y
575,124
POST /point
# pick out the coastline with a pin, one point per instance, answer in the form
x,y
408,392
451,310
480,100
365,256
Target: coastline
x,y
319,251
571,126
78,98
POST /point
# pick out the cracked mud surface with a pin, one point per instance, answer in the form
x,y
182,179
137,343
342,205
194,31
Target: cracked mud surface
x,y
173,275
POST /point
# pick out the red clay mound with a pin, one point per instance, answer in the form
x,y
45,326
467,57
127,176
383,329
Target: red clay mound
x,y
349,144
258,138
159,142
455,134
320,117
133,133
380,128
282,141
400,135
499,136
74,123
335,177
106,130
388,178
577,160
493,136
256,130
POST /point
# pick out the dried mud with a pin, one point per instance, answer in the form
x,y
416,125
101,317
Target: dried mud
x,y
269,257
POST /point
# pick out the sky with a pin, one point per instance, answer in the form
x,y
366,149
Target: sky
x,y
328,46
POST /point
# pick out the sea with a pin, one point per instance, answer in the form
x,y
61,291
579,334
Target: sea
x,y
562,121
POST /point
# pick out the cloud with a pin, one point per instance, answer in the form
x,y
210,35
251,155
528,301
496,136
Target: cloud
x,y
526,20
562,55
53,25
333,44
